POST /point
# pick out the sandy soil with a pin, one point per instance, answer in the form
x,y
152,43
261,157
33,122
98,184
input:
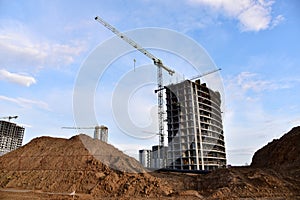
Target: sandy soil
x,y
53,168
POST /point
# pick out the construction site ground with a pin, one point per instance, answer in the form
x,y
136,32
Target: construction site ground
x,y
83,168
235,183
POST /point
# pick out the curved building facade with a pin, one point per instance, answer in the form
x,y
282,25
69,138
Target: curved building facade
x,y
195,130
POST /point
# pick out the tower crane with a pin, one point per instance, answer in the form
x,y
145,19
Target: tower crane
x,y
9,117
157,62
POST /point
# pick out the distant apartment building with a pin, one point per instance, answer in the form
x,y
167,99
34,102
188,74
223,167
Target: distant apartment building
x,y
11,136
158,154
101,133
153,158
145,157
195,130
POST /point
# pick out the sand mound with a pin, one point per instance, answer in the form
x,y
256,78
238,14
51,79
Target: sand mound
x,y
245,182
79,164
91,167
281,153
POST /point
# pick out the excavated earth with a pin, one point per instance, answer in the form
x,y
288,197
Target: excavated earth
x,y
84,168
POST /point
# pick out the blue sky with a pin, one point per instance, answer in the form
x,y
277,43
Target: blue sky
x,y
43,45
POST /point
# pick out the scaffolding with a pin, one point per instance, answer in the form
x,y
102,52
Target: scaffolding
x,y
11,136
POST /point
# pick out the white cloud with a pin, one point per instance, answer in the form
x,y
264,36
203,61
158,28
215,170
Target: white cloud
x,y
17,78
255,18
252,15
20,47
25,103
252,81
295,122
251,121
278,19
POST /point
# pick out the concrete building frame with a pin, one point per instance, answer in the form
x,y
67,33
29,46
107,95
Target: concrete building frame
x,y
195,130
11,136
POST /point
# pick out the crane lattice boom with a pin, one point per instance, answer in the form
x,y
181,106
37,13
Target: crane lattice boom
x,y
159,65
156,60
207,73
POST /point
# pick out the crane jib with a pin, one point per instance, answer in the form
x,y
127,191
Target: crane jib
x,y
135,45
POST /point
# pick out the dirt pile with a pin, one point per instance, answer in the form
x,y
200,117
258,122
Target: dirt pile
x,y
246,182
274,173
79,164
281,153
91,167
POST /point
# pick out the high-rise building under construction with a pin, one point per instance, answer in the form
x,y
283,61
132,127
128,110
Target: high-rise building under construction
x,y
11,136
195,131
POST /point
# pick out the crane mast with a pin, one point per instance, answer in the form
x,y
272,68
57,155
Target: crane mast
x,y
156,62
